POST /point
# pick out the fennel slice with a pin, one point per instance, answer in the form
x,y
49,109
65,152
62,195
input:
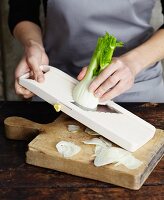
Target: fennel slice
x,y
130,162
107,142
90,131
95,141
109,155
73,128
67,149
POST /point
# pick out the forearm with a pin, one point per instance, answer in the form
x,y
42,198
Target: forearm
x,y
27,33
146,54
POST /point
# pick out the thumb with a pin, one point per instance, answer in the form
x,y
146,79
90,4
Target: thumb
x,y
34,65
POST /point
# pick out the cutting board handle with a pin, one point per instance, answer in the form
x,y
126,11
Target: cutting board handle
x,y
18,128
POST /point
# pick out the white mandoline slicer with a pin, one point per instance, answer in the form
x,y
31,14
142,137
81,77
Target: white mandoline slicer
x,y
121,127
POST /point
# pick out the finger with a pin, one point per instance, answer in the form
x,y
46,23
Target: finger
x,y
21,90
45,68
28,96
34,65
22,68
102,77
28,93
82,73
117,90
108,84
45,60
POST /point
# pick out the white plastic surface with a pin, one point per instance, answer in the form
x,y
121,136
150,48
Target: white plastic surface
x,y
124,129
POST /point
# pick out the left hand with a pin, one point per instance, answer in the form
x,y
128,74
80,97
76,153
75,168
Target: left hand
x,y
115,79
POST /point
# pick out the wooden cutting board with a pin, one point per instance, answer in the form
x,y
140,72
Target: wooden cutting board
x,y
42,151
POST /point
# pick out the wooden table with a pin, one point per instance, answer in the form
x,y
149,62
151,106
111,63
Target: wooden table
x,y
19,180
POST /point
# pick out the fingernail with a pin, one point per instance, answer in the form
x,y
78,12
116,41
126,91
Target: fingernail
x,y
79,77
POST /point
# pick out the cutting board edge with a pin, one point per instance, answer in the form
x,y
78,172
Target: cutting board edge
x,y
152,164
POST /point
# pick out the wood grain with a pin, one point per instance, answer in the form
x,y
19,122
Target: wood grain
x,y
19,180
90,193
42,152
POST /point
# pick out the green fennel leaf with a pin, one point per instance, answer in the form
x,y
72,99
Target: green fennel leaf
x,y
103,53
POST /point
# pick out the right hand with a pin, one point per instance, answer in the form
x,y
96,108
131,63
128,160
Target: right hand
x,y
34,56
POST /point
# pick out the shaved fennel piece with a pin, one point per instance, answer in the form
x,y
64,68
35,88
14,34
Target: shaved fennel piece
x,y
67,149
90,131
106,154
73,128
98,149
95,141
109,155
100,143
130,162
107,142
116,155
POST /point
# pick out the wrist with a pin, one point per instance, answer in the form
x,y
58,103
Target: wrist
x,y
28,34
133,60
30,43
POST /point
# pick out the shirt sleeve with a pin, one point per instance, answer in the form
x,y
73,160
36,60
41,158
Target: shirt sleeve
x,y
23,10
162,3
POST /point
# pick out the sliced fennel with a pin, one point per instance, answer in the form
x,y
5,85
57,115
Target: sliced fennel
x,y
107,142
95,141
67,149
101,58
100,143
106,154
130,162
73,128
110,155
90,131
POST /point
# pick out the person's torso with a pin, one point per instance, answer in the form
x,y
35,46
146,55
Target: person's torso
x,y
72,28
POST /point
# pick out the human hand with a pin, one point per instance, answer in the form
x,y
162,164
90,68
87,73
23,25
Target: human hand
x,y
113,80
34,56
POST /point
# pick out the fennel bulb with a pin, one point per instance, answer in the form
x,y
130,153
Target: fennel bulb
x,y
101,58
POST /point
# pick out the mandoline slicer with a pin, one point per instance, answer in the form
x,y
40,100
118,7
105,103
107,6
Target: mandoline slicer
x,y
121,127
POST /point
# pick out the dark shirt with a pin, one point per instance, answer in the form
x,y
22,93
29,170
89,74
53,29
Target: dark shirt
x,y
28,10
